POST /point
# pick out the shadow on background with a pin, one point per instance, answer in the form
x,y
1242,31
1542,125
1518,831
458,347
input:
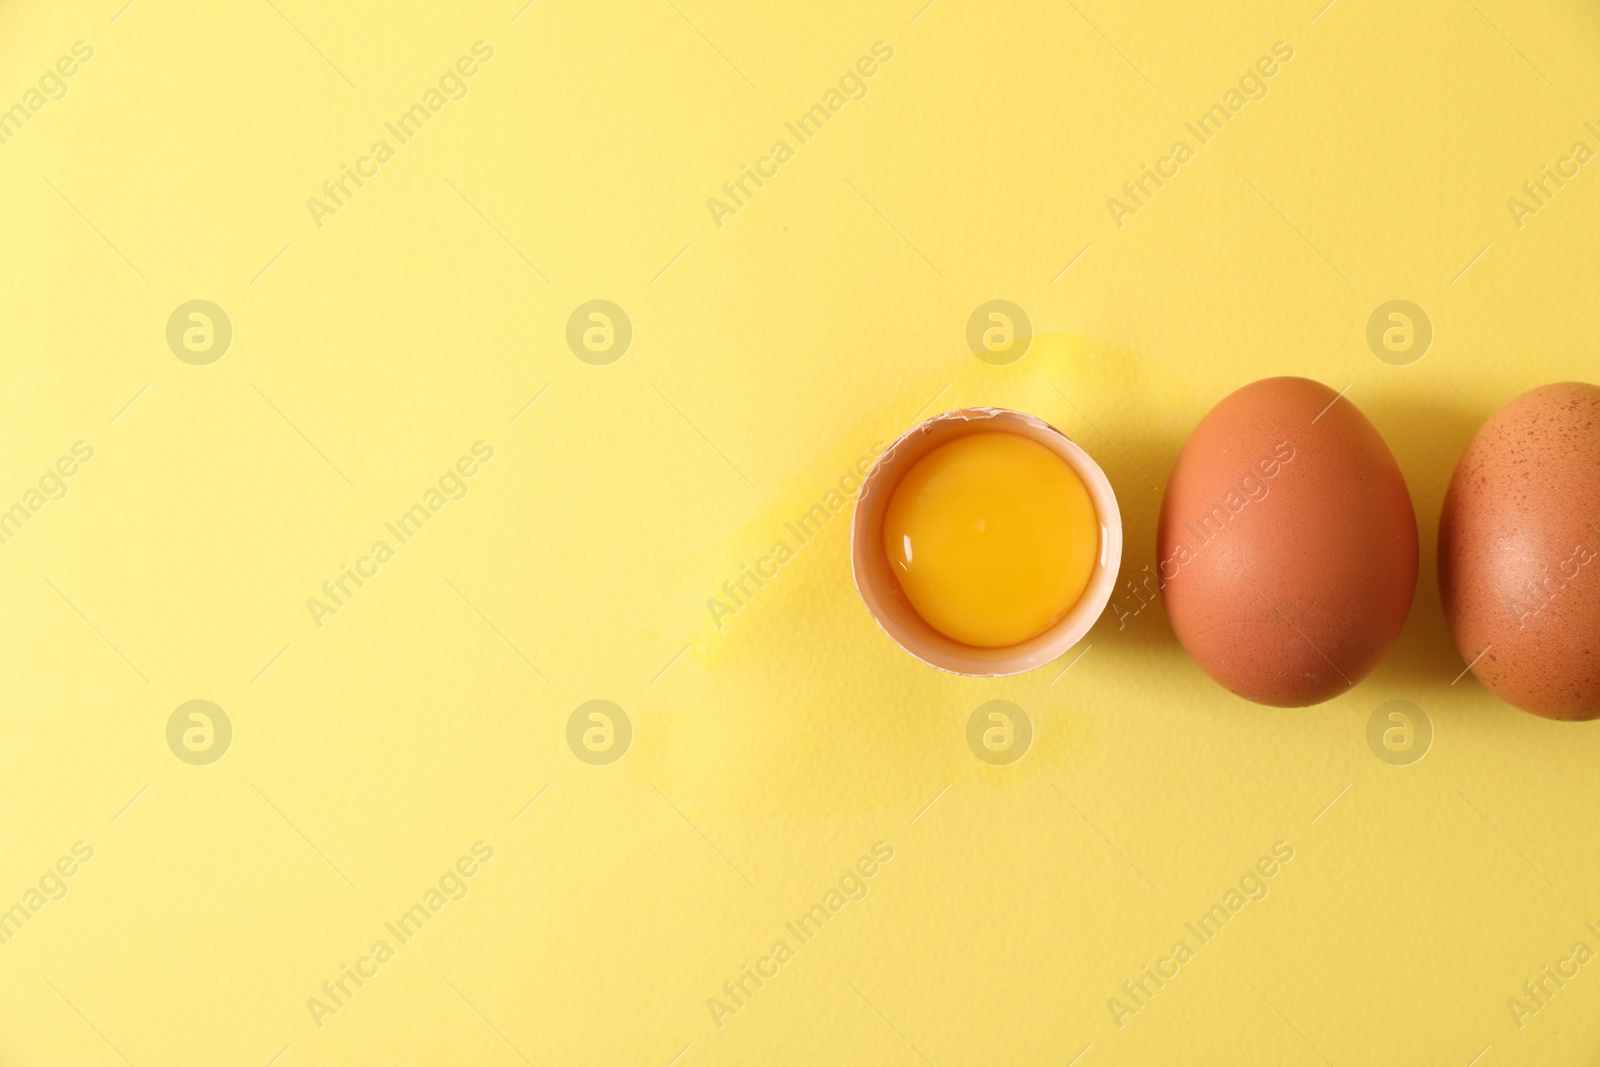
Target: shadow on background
x,y
1428,439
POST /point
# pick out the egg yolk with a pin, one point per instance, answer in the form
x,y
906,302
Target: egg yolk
x,y
993,537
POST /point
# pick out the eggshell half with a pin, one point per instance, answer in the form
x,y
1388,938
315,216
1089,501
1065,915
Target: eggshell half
x,y
1518,541
1287,544
887,601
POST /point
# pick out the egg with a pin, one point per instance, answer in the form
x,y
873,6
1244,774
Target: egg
x,y
1518,543
985,542
1287,544
993,538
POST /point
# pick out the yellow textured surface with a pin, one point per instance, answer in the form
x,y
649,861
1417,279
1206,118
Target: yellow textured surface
x,y
774,342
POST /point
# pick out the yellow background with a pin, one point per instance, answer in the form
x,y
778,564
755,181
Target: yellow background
x,y
768,355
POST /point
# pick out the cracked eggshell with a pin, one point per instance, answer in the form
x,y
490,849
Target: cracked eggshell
x,y
881,590
1518,543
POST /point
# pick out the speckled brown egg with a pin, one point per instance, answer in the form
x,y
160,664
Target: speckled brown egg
x,y
1518,544
1287,544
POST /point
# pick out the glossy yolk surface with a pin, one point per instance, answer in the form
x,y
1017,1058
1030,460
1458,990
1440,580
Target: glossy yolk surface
x,y
993,537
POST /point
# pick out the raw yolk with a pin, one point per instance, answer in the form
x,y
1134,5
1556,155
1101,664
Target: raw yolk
x,y
993,537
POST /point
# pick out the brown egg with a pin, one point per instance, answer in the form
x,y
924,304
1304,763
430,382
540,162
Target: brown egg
x,y
1518,539
1287,544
